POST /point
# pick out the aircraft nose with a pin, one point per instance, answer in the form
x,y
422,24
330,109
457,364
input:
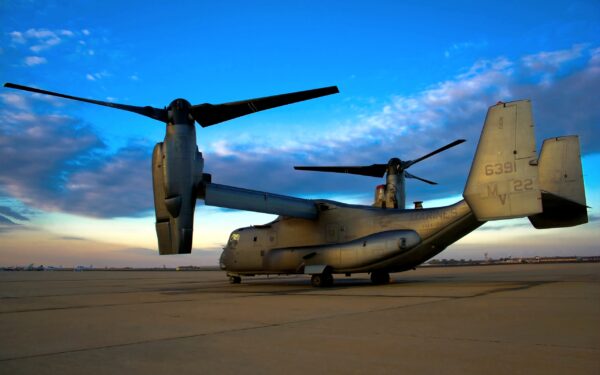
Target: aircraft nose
x,y
222,260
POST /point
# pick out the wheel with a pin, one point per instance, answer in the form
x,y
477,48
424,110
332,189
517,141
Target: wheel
x,y
235,279
317,280
380,277
321,280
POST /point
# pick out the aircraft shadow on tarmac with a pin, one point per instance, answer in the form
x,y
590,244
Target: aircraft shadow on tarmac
x,y
294,284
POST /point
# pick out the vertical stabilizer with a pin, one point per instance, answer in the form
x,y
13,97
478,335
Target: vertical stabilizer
x,y
560,168
503,181
561,182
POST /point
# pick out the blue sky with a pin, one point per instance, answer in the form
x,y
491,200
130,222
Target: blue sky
x,y
75,184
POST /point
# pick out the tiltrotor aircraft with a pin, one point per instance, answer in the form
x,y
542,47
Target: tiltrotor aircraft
x,y
322,237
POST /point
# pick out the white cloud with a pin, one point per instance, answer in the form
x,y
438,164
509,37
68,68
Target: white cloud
x,y
40,39
223,148
11,118
76,174
35,60
17,37
595,56
544,61
97,76
467,95
458,47
85,32
45,44
39,33
15,100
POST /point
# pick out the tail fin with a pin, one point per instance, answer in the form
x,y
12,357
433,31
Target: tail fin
x,y
561,182
503,181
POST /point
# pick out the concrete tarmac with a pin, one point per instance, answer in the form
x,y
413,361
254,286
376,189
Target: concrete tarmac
x,y
518,319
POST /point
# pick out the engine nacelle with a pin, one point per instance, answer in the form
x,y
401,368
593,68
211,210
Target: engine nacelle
x,y
176,172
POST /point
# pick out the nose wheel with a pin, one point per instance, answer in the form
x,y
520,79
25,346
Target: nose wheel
x,y
321,280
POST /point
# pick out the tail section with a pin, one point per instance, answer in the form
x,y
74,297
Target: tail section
x,y
503,182
561,182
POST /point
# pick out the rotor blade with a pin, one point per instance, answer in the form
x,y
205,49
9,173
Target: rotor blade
x,y
154,113
408,175
210,114
375,170
411,162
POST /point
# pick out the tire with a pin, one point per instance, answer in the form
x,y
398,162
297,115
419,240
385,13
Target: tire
x,y
321,280
380,277
316,280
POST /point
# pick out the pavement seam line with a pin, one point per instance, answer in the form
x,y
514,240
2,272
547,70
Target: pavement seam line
x,y
141,342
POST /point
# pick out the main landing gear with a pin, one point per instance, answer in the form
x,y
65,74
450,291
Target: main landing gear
x,y
321,280
235,279
380,277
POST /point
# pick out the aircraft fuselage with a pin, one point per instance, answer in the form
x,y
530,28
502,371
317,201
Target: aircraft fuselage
x,y
347,238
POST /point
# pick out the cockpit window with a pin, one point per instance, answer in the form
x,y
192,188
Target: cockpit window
x,y
234,239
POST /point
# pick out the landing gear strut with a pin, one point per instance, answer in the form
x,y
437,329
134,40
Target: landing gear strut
x,y
235,279
321,280
380,277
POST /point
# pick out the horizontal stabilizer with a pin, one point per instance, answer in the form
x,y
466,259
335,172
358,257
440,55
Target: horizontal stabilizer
x,y
561,182
258,201
503,181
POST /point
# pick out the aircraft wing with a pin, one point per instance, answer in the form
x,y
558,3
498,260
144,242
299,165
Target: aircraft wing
x,y
258,201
